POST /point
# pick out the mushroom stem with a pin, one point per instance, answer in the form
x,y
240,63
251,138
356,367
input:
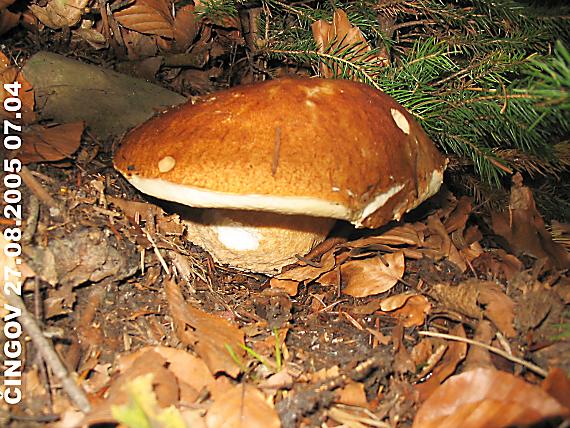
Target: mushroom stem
x,y
256,241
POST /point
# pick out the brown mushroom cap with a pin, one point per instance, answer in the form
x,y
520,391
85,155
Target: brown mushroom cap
x,y
325,148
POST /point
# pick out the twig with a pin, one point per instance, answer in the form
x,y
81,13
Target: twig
x,y
532,367
38,313
32,221
323,247
49,355
401,25
157,252
38,190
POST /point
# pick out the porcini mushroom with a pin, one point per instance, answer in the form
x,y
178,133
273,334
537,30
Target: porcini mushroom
x,y
274,164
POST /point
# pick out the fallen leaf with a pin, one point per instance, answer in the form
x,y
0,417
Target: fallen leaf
x,y
48,144
498,264
211,335
164,384
186,27
331,278
477,356
499,308
187,368
309,273
557,385
5,3
422,351
371,276
243,406
8,20
442,243
138,46
147,17
461,298
9,74
400,235
342,37
58,14
411,310
91,36
523,227
352,394
458,217
142,409
455,353
289,286
483,398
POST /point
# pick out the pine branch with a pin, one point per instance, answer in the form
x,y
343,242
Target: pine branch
x,y
217,10
478,78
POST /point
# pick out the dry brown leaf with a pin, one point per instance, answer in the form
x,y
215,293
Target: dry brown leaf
x,y
523,227
411,310
310,273
59,14
422,351
186,27
352,394
400,235
477,356
138,46
8,20
395,302
371,276
9,73
461,298
147,211
433,360
164,384
341,34
499,308
209,334
287,285
243,406
557,385
562,288
441,242
91,36
458,217
48,144
484,398
148,17
498,264
5,3
455,353
188,369
403,362
331,278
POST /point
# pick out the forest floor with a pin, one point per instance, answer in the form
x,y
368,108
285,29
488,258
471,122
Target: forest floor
x,y
453,316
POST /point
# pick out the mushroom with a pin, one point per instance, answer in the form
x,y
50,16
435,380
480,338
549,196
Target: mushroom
x,y
274,164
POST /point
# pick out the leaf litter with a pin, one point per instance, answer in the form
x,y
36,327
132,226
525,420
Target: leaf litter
x,y
334,339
